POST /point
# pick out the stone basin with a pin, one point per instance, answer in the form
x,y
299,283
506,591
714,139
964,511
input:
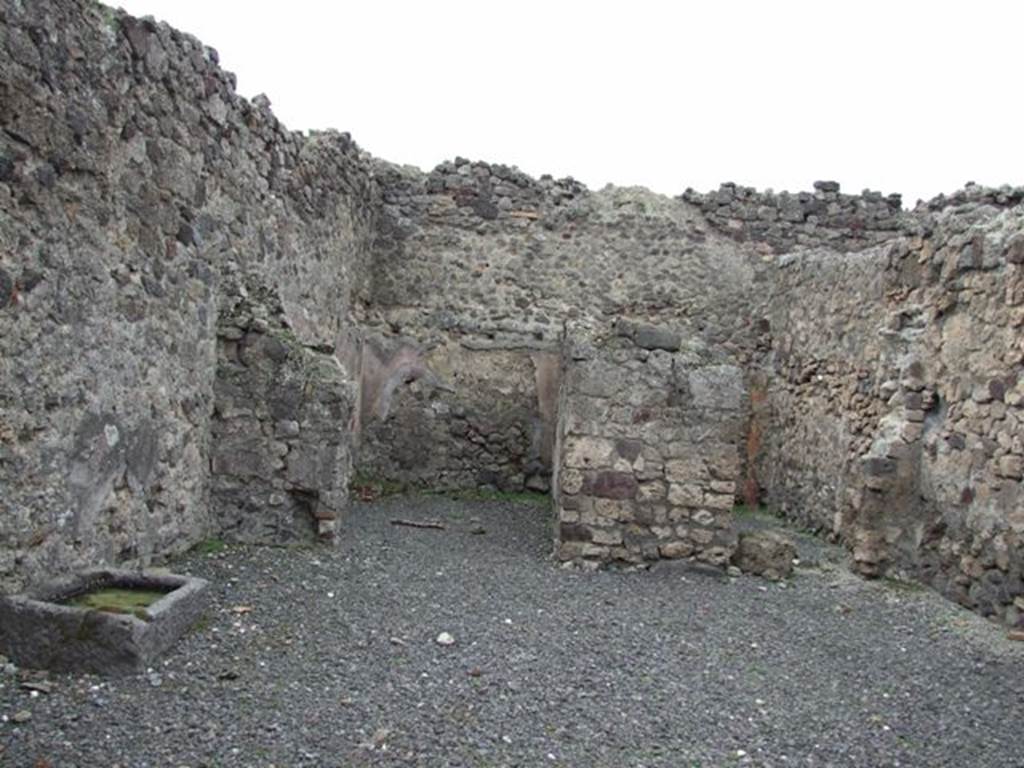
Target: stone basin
x,y
41,630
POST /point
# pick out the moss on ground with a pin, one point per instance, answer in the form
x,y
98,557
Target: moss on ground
x,y
903,585
474,494
211,546
367,488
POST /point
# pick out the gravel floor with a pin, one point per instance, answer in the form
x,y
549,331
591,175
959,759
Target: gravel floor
x,y
337,664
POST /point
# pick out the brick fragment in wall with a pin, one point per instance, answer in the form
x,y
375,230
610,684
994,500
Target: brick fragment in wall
x,y
610,484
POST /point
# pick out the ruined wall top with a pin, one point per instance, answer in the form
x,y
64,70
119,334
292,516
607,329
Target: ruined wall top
x,y
769,222
785,220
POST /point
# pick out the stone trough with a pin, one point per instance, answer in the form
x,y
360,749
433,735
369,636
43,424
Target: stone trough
x,y
45,629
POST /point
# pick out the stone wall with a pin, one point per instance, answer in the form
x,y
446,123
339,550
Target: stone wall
x,y
281,433
132,181
651,427
458,417
777,223
893,400
201,311
478,269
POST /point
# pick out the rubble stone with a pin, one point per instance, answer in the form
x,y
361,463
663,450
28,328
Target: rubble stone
x,y
765,553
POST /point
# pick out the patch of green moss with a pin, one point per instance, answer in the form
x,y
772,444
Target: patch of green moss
x,y
772,515
117,600
759,510
475,494
107,14
903,585
285,335
210,546
367,488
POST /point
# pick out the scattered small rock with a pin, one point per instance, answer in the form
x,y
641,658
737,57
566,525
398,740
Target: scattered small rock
x,y
41,686
21,716
7,667
445,639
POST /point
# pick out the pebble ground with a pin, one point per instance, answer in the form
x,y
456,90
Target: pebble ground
x,y
329,657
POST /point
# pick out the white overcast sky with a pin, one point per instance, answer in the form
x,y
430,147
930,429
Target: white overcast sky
x,y
897,96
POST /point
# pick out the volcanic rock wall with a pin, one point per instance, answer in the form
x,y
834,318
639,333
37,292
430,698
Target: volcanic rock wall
x,y
479,268
281,433
777,223
454,416
132,181
200,312
892,405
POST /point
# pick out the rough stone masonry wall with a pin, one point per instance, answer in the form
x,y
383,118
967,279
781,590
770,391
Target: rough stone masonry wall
x,y
893,410
281,447
478,269
777,223
650,429
457,417
181,277
132,180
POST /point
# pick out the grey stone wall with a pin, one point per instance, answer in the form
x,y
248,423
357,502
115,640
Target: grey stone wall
x,y
132,179
200,311
281,433
778,223
892,411
651,427
479,267
457,417
477,251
